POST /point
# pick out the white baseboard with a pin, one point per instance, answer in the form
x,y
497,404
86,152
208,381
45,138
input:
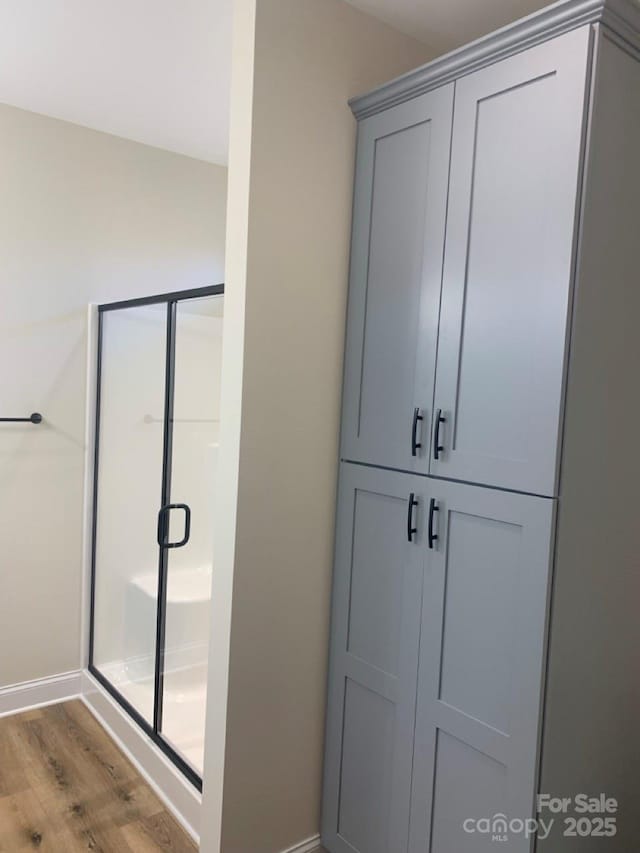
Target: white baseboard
x,y
178,795
307,846
36,694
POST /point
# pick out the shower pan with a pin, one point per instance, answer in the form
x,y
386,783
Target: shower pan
x,y
156,446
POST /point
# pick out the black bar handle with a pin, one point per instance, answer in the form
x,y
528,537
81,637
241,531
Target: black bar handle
x,y
437,447
411,530
35,418
163,529
415,444
433,508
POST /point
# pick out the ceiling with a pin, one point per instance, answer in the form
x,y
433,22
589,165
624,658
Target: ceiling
x,y
446,24
156,71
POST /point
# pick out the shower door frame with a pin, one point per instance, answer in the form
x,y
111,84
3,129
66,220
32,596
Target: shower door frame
x,y
153,730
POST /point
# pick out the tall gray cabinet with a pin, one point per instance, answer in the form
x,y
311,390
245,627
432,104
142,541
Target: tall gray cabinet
x,y
485,635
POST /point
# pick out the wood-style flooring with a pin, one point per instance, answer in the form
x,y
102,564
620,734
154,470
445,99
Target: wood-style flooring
x,y
66,787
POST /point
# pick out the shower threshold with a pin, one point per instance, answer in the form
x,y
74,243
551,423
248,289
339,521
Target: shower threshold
x,y
184,705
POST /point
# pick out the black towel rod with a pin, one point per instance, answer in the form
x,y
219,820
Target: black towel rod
x,y
35,418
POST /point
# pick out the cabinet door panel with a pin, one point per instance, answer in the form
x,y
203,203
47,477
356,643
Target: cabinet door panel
x,y
396,275
481,666
374,662
515,167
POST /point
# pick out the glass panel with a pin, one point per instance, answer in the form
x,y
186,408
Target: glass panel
x,y
129,492
198,341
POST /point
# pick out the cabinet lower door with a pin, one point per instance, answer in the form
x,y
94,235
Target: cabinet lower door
x,y
396,274
374,661
481,669
511,229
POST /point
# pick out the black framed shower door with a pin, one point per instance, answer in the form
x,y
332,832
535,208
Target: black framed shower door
x,y
135,513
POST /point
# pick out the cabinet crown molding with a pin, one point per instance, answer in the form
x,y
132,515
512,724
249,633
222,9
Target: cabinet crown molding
x,y
620,17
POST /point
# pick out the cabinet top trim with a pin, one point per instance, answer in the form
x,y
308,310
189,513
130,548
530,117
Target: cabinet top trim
x,y
621,17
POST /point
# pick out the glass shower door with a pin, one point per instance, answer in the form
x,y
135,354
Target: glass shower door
x,y
194,455
133,344
156,455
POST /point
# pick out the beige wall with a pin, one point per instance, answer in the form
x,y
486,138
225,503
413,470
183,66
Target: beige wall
x,y
84,217
287,248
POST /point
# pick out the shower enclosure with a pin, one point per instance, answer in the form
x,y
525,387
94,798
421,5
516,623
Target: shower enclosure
x,y
156,447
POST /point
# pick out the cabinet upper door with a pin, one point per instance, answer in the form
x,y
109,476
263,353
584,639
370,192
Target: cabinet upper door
x,y
396,275
374,661
481,668
507,280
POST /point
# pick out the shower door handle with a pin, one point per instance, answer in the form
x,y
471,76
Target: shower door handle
x,y
163,525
